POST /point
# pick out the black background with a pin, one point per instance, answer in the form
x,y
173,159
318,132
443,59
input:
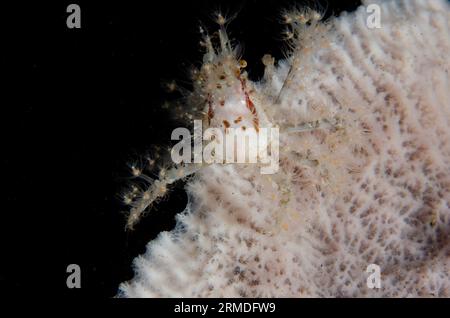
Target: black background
x,y
78,105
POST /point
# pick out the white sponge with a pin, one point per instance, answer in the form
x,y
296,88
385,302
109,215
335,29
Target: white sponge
x,y
368,184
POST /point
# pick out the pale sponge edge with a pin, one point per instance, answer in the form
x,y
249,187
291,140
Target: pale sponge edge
x,y
373,188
